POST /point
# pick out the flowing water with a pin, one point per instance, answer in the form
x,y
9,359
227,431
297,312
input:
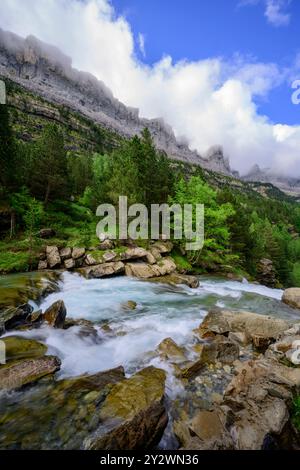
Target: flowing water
x,y
120,336
162,311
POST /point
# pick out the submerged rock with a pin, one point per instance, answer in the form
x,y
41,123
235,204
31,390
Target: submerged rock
x,y
56,415
129,305
133,415
55,315
291,297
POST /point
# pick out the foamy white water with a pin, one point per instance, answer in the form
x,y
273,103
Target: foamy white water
x,y
162,311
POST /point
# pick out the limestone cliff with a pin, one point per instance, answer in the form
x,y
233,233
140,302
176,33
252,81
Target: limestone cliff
x,y
47,72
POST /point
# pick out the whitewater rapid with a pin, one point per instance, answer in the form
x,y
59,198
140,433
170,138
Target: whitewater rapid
x,y
162,311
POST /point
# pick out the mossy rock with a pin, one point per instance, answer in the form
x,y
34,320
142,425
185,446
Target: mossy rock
x,y
133,415
135,394
17,348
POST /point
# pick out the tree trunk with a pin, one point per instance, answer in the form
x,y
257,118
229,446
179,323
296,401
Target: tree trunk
x,y
12,223
47,194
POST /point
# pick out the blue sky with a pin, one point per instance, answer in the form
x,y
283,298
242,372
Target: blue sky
x,y
200,29
219,72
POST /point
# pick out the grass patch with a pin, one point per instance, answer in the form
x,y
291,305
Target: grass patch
x,y
182,263
296,413
15,262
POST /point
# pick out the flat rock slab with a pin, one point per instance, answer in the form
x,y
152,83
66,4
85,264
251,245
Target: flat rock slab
x,y
17,374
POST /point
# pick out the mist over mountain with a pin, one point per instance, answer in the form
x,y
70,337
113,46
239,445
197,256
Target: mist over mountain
x,y
210,97
45,70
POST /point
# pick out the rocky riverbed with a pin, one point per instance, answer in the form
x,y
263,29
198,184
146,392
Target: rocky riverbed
x,y
132,364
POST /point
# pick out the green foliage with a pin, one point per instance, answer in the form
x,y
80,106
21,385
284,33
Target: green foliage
x,y
49,177
14,261
182,263
296,413
216,244
8,161
43,185
140,172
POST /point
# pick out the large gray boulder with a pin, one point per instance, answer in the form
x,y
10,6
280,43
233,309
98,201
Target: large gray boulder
x,y
147,271
260,329
291,297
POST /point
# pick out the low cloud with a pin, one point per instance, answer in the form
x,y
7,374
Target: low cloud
x,y
209,101
276,11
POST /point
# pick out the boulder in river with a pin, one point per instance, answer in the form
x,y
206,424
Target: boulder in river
x,y
16,374
219,321
129,305
11,318
179,279
133,415
56,415
17,348
169,350
291,297
55,315
148,271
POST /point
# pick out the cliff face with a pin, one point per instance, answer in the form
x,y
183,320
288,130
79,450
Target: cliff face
x,y
288,185
45,71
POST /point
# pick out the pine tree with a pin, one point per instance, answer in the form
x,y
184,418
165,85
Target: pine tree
x,y
49,171
7,151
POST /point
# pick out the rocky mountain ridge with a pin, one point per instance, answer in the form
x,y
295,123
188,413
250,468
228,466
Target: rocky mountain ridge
x,y
46,71
287,184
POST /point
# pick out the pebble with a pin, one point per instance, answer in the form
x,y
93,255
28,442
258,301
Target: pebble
x,y
227,369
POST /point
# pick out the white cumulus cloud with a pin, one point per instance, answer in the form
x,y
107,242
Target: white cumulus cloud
x,y
209,101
